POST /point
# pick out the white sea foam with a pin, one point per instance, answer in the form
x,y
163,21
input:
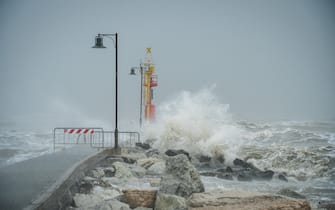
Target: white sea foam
x,y
25,145
199,123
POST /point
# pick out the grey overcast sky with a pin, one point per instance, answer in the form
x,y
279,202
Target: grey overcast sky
x,y
269,59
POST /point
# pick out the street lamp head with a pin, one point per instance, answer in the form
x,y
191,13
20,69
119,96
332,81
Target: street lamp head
x,y
132,71
99,42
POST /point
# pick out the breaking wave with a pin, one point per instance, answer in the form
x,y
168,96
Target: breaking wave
x,y
199,123
17,146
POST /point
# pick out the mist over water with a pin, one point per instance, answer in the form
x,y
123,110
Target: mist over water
x,y
196,122
199,123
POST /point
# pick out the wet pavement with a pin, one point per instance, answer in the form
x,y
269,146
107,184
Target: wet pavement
x,y
23,182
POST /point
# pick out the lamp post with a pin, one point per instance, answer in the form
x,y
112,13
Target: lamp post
x,y
99,45
132,72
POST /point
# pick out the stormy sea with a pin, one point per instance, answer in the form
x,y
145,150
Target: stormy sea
x,y
304,151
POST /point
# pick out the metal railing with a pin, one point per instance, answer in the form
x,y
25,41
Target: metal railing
x,y
126,139
95,137
71,135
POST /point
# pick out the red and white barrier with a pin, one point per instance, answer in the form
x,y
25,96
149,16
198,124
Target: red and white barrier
x,y
78,131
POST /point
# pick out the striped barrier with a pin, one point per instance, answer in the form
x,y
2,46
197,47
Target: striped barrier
x,y
79,130
95,137
71,135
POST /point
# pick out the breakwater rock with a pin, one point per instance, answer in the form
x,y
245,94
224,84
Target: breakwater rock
x,y
181,177
243,201
241,171
144,180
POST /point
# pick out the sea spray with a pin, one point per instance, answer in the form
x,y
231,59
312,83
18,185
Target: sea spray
x,y
198,123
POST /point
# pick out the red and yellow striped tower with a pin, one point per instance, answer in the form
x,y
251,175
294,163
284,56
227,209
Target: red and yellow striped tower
x,y
150,81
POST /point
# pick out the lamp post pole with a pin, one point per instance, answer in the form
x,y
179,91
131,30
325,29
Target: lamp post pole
x,y
132,72
99,44
116,132
141,103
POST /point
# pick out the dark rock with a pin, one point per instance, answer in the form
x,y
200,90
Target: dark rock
x,y
220,158
221,170
173,152
227,176
327,206
109,172
151,141
204,158
208,173
264,175
128,160
239,162
96,173
203,166
244,177
217,162
291,193
85,187
152,152
282,177
225,170
250,171
145,146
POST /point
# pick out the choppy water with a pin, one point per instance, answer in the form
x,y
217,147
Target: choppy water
x,y
303,150
18,144
199,123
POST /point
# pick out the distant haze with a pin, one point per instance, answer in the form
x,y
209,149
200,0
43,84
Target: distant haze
x,y
268,59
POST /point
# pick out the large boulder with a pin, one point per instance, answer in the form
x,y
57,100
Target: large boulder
x,y
144,146
290,193
152,152
97,173
157,168
174,152
170,202
181,177
117,205
132,156
106,193
122,171
243,201
85,187
128,160
109,172
100,198
87,201
246,171
148,162
137,171
140,198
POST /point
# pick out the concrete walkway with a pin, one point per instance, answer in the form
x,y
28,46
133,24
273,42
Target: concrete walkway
x,y
23,182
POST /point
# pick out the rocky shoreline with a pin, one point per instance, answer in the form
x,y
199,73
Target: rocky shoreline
x,y
142,178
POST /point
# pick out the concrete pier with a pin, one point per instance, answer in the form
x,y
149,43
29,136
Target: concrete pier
x,y
24,182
